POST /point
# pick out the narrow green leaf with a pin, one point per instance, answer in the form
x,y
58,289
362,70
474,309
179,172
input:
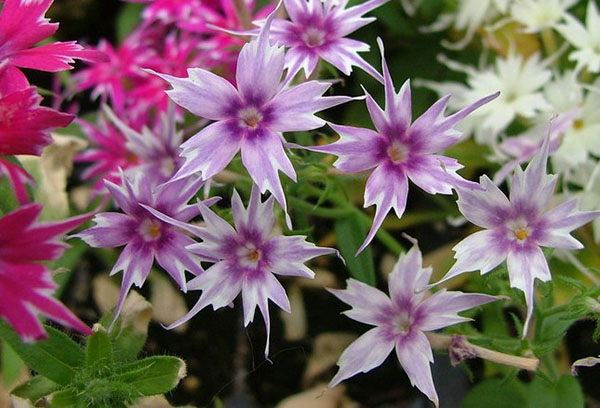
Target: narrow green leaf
x,y
11,364
8,200
35,388
57,358
153,375
350,233
99,351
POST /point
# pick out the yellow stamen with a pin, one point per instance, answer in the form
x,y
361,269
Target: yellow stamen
x,y
578,124
521,234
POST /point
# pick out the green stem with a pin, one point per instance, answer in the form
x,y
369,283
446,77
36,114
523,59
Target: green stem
x,y
548,361
309,208
549,41
382,235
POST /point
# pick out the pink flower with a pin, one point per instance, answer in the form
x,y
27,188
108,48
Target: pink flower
x,y
250,117
516,228
246,259
23,25
24,125
401,321
400,149
145,236
26,286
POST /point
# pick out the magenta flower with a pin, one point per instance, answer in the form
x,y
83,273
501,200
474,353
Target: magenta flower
x,y
246,259
516,227
401,321
250,118
24,125
145,236
400,149
318,29
23,25
168,11
26,286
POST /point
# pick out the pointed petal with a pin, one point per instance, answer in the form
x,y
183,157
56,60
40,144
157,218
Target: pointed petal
x,y
408,277
286,255
525,264
258,217
369,304
111,230
387,188
486,208
441,309
210,150
203,93
483,251
263,156
366,353
415,356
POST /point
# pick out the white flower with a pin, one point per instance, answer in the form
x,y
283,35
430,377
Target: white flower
x,y
469,16
536,15
585,39
519,81
582,138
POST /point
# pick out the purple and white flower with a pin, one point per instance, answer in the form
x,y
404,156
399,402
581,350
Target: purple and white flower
x,y
400,149
516,228
250,118
145,236
246,259
401,321
317,30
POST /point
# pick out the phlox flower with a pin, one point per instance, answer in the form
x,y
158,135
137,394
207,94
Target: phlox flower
x,y
112,78
23,25
24,125
400,149
26,286
118,146
246,259
468,16
145,236
536,15
586,39
520,82
515,228
317,29
401,321
251,117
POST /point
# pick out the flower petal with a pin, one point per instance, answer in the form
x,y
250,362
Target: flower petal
x,y
415,356
525,264
369,304
368,351
442,308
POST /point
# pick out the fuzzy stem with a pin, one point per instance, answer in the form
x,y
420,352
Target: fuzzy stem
x,y
549,41
460,349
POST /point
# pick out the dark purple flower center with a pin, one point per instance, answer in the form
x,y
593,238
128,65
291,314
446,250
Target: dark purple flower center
x,y
150,229
250,117
313,37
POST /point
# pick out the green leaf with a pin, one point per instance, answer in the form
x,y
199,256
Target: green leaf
x,y
11,364
128,341
566,392
99,352
35,388
128,18
57,358
495,393
8,199
350,234
65,399
153,375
